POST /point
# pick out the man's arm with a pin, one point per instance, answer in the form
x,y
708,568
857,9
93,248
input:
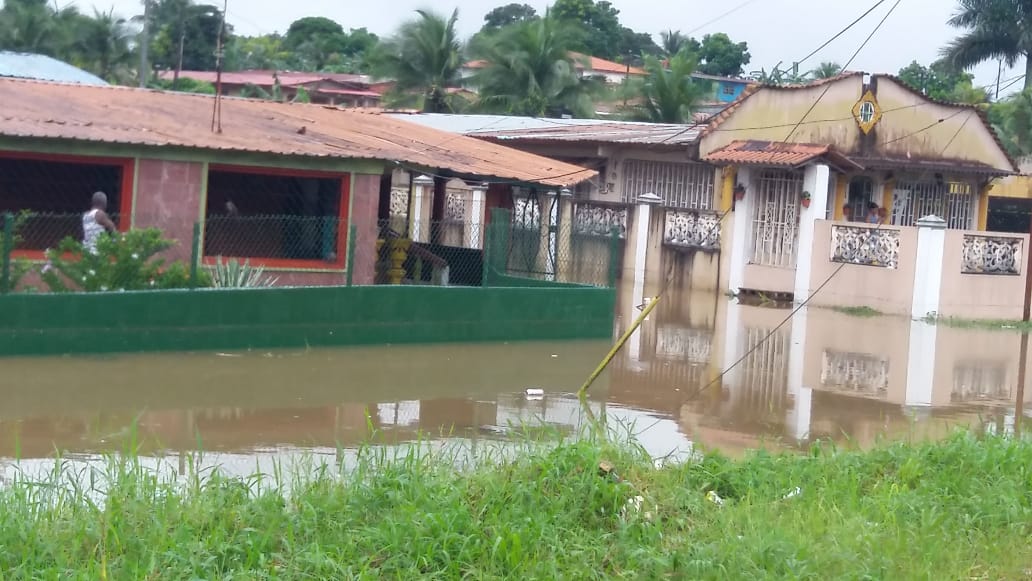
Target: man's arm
x,y
104,220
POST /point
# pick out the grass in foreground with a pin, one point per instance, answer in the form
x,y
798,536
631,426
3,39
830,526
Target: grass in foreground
x,y
959,509
862,312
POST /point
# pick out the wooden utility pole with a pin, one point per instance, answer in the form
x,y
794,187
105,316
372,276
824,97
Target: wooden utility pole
x,y
144,71
1019,399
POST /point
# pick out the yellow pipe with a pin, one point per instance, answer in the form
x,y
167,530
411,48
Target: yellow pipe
x,y
616,348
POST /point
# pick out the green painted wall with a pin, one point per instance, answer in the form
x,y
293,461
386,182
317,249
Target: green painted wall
x,y
54,324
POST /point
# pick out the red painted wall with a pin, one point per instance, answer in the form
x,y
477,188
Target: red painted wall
x,y
364,206
168,196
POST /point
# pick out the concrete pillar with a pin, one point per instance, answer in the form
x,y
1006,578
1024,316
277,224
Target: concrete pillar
x,y
798,419
424,189
921,364
565,247
476,213
742,231
931,241
643,221
732,342
816,183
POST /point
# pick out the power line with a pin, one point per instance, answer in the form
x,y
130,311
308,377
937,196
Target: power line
x,y
721,17
840,33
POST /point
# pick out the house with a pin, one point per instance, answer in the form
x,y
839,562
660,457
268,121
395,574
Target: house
x,y
588,66
279,184
342,90
23,65
724,91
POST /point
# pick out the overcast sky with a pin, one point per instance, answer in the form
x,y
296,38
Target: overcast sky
x,y
776,30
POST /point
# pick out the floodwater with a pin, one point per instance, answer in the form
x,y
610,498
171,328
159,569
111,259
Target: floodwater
x,y
820,375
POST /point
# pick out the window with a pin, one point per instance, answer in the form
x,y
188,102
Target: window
x,y
685,186
277,218
56,191
861,194
950,200
729,89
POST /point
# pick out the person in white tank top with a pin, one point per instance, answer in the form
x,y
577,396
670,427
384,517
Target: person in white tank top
x,y
96,222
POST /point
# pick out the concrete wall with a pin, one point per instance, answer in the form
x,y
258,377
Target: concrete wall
x,y
769,278
168,196
884,289
204,320
980,296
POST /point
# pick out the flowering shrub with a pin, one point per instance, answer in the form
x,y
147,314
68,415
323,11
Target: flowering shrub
x,y
123,262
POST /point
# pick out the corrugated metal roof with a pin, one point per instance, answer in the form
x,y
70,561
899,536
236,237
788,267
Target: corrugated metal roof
x,y
23,65
595,64
770,153
121,115
511,128
262,78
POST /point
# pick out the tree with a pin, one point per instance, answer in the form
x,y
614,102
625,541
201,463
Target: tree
x,y
720,56
673,42
633,45
669,93
1012,119
104,46
996,29
508,15
424,56
826,70
943,82
315,40
258,52
182,28
530,71
600,33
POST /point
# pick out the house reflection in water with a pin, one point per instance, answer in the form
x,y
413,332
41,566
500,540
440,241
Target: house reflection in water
x,y
823,374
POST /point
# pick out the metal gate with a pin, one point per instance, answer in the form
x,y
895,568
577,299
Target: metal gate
x,y
526,232
951,201
776,218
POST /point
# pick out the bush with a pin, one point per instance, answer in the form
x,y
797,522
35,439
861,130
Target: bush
x,y
123,262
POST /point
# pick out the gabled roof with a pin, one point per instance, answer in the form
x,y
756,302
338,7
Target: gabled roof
x,y
779,154
125,116
23,65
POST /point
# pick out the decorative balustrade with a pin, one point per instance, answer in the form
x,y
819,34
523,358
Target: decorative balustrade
x,y
526,213
855,372
991,255
675,343
399,203
455,208
690,229
980,381
866,246
592,220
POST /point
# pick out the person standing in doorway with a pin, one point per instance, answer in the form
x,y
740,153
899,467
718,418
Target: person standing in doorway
x,y
96,221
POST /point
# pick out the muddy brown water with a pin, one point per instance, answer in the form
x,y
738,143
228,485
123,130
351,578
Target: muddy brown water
x,y
822,375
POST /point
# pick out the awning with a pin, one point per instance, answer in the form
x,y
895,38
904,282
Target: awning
x,y
781,154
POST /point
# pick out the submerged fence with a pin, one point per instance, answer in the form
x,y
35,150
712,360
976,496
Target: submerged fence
x,y
235,251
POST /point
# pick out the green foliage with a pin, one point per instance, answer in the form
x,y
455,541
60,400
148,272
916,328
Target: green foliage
x,y
958,509
424,57
235,274
266,52
994,30
121,263
1012,119
184,85
507,15
826,70
195,26
19,267
719,55
601,33
317,44
669,93
943,82
530,71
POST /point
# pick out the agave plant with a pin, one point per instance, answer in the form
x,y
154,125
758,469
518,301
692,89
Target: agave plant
x,y
235,274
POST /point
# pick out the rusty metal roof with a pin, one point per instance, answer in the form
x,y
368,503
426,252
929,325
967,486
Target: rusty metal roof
x,y
771,153
506,128
120,115
266,78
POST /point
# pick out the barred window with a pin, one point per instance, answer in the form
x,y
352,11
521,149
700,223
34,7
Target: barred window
x,y
281,219
686,186
950,200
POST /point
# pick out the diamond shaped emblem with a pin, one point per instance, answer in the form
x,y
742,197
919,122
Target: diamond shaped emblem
x,y
867,112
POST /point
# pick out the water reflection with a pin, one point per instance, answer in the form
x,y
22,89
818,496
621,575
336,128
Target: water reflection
x,y
821,375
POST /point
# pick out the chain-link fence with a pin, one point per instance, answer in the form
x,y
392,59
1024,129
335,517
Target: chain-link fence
x,y
290,250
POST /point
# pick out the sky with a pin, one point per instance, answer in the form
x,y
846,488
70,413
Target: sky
x,y
776,30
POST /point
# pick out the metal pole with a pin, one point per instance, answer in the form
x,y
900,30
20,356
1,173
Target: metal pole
x,y
195,255
352,235
485,276
616,348
8,247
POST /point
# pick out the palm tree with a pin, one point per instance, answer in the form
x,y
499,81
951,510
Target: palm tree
x,y
996,29
530,70
29,26
669,93
103,44
673,42
826,70
425,56
1012,119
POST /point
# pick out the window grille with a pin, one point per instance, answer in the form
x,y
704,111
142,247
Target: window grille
x,y
681,185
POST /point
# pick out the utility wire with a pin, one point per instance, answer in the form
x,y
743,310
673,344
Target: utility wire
x,y
719,18
840,33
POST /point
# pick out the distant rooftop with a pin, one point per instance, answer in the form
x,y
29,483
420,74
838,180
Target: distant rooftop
x,y
23,65
508,128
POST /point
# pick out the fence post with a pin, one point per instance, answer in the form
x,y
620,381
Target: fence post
x,y
8,248
488,256
195,255
352,235
614,255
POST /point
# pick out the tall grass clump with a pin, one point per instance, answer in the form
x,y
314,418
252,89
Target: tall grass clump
x,y
574,509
